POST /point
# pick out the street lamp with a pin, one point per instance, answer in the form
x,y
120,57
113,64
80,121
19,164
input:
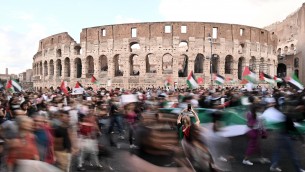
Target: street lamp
x,y
211,64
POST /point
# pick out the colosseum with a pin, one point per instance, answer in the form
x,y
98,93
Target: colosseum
x,y
146,54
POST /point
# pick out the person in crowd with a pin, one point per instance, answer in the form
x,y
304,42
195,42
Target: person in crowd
x,y
254,134
62,141
44,139
283,140
131,116
24,145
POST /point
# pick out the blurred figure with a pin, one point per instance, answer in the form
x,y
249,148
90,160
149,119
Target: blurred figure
x,y
253,135
24,146
62,141
44,139
88,131
131,116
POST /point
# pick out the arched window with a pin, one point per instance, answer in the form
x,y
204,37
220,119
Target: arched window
x,y
117,68
51,67
67,67
151,63
134,65
215,63
182,66
252,65
198,65
59,68
90,66
45,68
167,64
241,66
103,64
296,62
229,64
78,67
58,53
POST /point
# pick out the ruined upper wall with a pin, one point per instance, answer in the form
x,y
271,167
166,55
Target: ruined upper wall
x,y
230,32
57,39
290,31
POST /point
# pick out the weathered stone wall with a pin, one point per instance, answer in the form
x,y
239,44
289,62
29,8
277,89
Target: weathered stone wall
x,y
291,41
112,54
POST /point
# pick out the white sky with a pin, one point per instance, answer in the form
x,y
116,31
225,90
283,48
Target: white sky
x,y
25,22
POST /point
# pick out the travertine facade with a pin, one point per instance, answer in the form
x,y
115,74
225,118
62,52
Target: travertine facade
x,y
145,54
291,44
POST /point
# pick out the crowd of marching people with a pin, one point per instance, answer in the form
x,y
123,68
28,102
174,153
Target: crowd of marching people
x,y
52,128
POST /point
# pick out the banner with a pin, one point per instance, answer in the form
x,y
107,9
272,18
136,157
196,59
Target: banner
x,y
77,91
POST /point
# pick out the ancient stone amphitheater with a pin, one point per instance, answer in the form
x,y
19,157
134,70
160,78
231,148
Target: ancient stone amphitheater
x,y
146,54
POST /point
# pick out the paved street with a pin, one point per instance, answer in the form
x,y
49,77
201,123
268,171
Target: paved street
x,y
237,149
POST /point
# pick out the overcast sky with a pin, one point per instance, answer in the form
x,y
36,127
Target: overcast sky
x,y
25,22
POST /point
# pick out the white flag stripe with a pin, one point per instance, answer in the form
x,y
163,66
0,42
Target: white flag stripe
x,y
296,83
193,83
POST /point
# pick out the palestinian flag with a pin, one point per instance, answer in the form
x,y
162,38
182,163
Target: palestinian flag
x,y
78,85
294,82
243,82
13,86
267,78
191,81
277,79
63,88
249,75
93,80
220,80
167,82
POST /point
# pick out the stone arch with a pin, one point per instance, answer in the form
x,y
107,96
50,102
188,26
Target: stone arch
x,y
183,45
281,70
262,65
229,64
150,62
40,68
252,65
134,63
268,66
183,66
45,66
296,72
103,63
134,46
286,49
198,65
67,67
51,67
58,67
78,67
117,68
292,47
241,66
77,50
167,64
58,53
279,51
89,66
296,62
215,63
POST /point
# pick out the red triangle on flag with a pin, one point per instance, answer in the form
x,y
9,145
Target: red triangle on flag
x,y
246,71
63,88
93,79
200,80
244,81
